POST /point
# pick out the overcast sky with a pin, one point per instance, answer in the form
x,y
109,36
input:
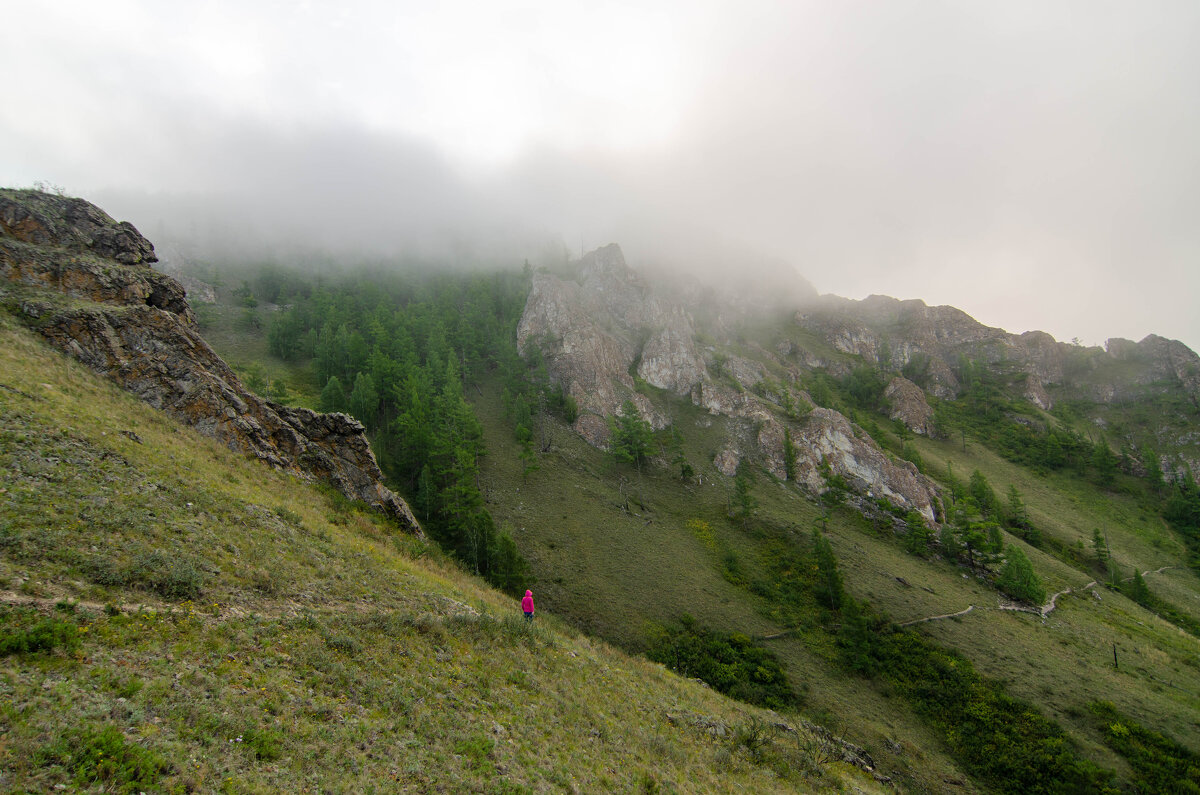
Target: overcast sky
x,y
1036,164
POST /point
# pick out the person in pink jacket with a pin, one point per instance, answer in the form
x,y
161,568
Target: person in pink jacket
x,y
527,606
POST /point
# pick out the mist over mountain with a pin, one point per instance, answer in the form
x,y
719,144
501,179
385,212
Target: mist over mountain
x,y
1032,166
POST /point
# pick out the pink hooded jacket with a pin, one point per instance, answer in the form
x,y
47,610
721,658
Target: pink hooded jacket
x,y
527,602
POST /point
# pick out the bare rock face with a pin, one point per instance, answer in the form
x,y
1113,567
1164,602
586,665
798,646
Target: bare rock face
x,y
829,437
134,326
908,405
594,331
589,333
670,359
1036,393
42,219
902,333
1172,359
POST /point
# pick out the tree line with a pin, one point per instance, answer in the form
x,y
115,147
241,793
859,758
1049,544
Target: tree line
x,y
397,352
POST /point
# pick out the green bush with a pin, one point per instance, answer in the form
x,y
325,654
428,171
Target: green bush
x,y
1159,763
730,663
102,757
170,577
43,635
173,578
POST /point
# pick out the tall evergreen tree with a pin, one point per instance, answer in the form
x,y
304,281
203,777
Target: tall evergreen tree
x,y
333,396
829,589
1018,579
789,455
364,400
631,436
743,498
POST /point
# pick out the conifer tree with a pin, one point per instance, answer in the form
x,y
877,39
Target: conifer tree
x,y
743,500
829,589
1018,515
1100,546
789,455
333,396
1018,579
364,400
1138,591
631,435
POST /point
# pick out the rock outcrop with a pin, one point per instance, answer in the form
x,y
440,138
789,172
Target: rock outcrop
x,y
589,333
932,339
908,406
84,282
595,330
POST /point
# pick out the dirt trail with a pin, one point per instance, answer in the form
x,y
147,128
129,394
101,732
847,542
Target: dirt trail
x,y
938,618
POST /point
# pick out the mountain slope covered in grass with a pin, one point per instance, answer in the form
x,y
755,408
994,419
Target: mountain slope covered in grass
x,y
638,545
176,617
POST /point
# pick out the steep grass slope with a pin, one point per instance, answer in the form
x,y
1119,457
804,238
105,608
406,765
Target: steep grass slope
x,y
619,550
174,617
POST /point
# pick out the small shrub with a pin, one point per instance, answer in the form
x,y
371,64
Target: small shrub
x,y
288,515
103,757
264,581
173,578
44,635
343,643
265,744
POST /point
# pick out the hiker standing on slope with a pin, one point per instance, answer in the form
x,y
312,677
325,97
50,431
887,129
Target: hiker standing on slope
x,y
527,606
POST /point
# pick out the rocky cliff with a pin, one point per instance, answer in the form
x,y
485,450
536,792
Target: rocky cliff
x,y
605,329
897,333
85,283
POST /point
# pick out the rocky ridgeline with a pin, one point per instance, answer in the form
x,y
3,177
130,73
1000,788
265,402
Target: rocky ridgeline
x,y
600,329
882,329
84,282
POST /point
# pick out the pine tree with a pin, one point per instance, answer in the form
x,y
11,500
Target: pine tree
x,y
916,540
1100,546
951,546
1137,590
1018,579
631,435
364,400
1105,462
855,638
1018,516
743,500
829,589
1154,473
789,455
333,396
426,494
982,492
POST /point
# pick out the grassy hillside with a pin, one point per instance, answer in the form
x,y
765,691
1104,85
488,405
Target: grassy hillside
x,y
174,617
619,572
623,552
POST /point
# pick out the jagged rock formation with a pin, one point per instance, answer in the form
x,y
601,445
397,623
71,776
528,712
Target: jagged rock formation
x,y
84,282
908,406
596,332
931,339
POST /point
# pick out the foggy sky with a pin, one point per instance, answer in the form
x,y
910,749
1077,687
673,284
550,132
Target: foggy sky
x,y
1034,164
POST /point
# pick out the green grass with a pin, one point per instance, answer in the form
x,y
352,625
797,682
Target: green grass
x,y
321,651
621,574
621,553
